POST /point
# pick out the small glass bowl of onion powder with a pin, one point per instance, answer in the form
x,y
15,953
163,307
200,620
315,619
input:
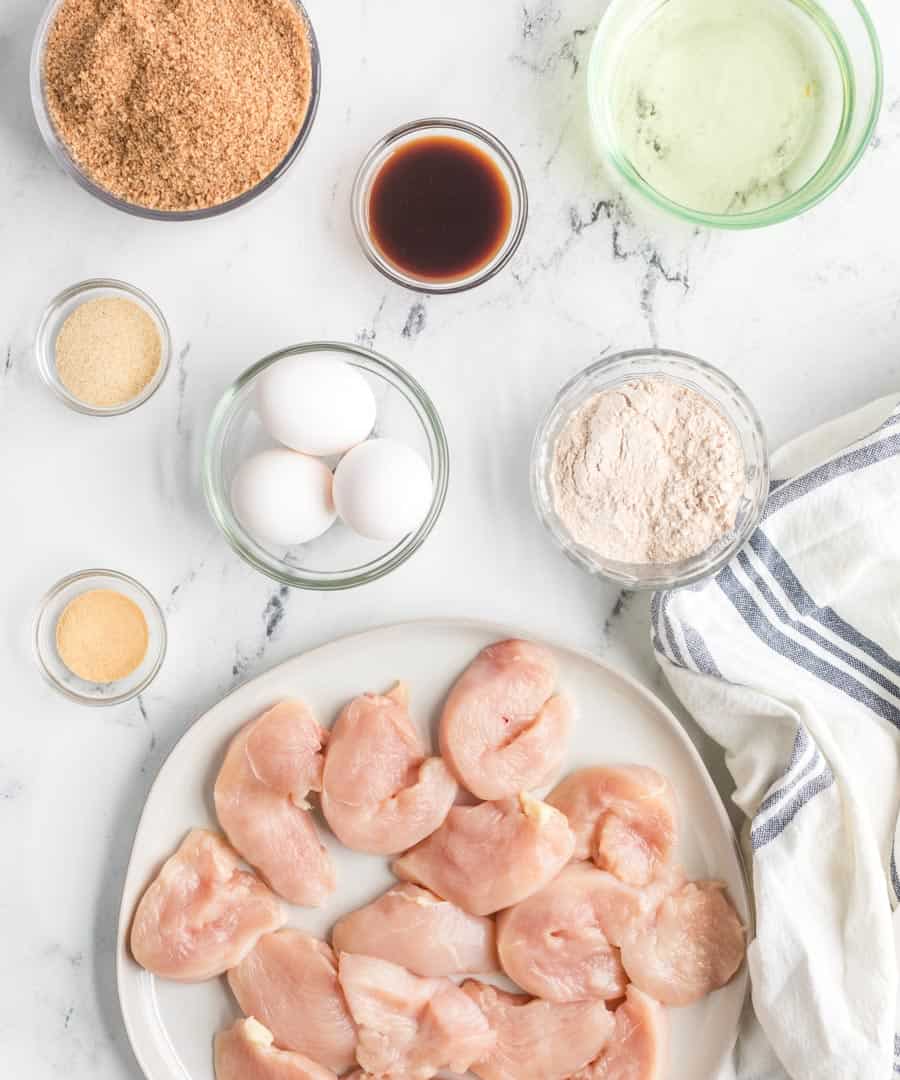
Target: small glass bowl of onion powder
x,y
99,637
103,347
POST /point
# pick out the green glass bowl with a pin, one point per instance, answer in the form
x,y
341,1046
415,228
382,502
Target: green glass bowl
x,y
853,37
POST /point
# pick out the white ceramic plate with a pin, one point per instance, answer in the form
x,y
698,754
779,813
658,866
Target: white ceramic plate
x,y
171,1026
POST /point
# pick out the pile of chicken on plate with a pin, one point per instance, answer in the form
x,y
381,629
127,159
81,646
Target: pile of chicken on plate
x,y
577,899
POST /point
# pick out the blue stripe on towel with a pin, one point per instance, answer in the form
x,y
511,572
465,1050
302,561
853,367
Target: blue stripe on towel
x,y
677,654
895,883
700,654
892,688
801,741
781,571
775,825
781,795
852,461
893,418
798,654
793,780
658,643
663,624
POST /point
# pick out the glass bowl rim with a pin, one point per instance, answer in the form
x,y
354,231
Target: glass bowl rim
x,y
41,346
518,188
61,155
772,215
669,577
152,604
329,581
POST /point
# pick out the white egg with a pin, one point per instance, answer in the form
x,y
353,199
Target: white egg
x,y
382,489
282,497
317,404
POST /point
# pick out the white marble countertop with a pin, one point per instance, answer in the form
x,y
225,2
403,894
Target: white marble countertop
x,y
806,316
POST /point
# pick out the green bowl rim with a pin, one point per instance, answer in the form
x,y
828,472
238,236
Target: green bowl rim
x,y
772,215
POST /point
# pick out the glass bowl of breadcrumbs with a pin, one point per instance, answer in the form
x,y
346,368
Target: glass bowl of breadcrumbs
x,y
175,113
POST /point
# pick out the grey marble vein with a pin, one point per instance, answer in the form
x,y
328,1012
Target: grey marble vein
x,y
181,372
367,336
273,615
275,611
11,788
416,320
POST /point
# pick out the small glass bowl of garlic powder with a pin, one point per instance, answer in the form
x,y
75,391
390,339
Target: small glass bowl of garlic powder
x,y
99,637
103,347
650,469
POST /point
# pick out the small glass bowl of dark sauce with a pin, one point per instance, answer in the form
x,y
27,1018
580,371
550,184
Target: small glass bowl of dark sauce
x,y
439,205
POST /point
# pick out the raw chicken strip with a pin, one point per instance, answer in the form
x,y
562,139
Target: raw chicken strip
x,y
380,793
271,766
624,818
501,730
487,857
638,1049
555,945
245,1052
410,1027
203,913
421,932
538,1040
289,982
693,946
622,910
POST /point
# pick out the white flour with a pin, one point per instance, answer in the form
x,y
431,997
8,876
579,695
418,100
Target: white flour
x,y
650,472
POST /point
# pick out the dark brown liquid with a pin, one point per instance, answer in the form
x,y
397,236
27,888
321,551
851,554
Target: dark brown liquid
x,y
439,208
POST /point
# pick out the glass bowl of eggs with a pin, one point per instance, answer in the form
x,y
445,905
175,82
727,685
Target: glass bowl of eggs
x,y
326,466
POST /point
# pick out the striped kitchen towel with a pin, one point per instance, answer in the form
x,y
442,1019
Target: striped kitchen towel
x,y
790,659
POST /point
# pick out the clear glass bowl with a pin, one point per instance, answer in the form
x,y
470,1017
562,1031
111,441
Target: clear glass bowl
x,y
850,39
56,672
457,129
340,558
731,402
66,161
56,313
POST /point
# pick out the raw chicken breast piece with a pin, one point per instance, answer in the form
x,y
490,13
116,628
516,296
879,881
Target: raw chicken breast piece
x,y
271,766
203,913
623,910
693,945
289,982
490,856
624,818
502,729
410,1027
638,1049
380,793
555,945
245,1052
427,935
538,1040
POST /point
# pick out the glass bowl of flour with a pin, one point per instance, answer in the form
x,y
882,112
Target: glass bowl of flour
x,y
650,469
